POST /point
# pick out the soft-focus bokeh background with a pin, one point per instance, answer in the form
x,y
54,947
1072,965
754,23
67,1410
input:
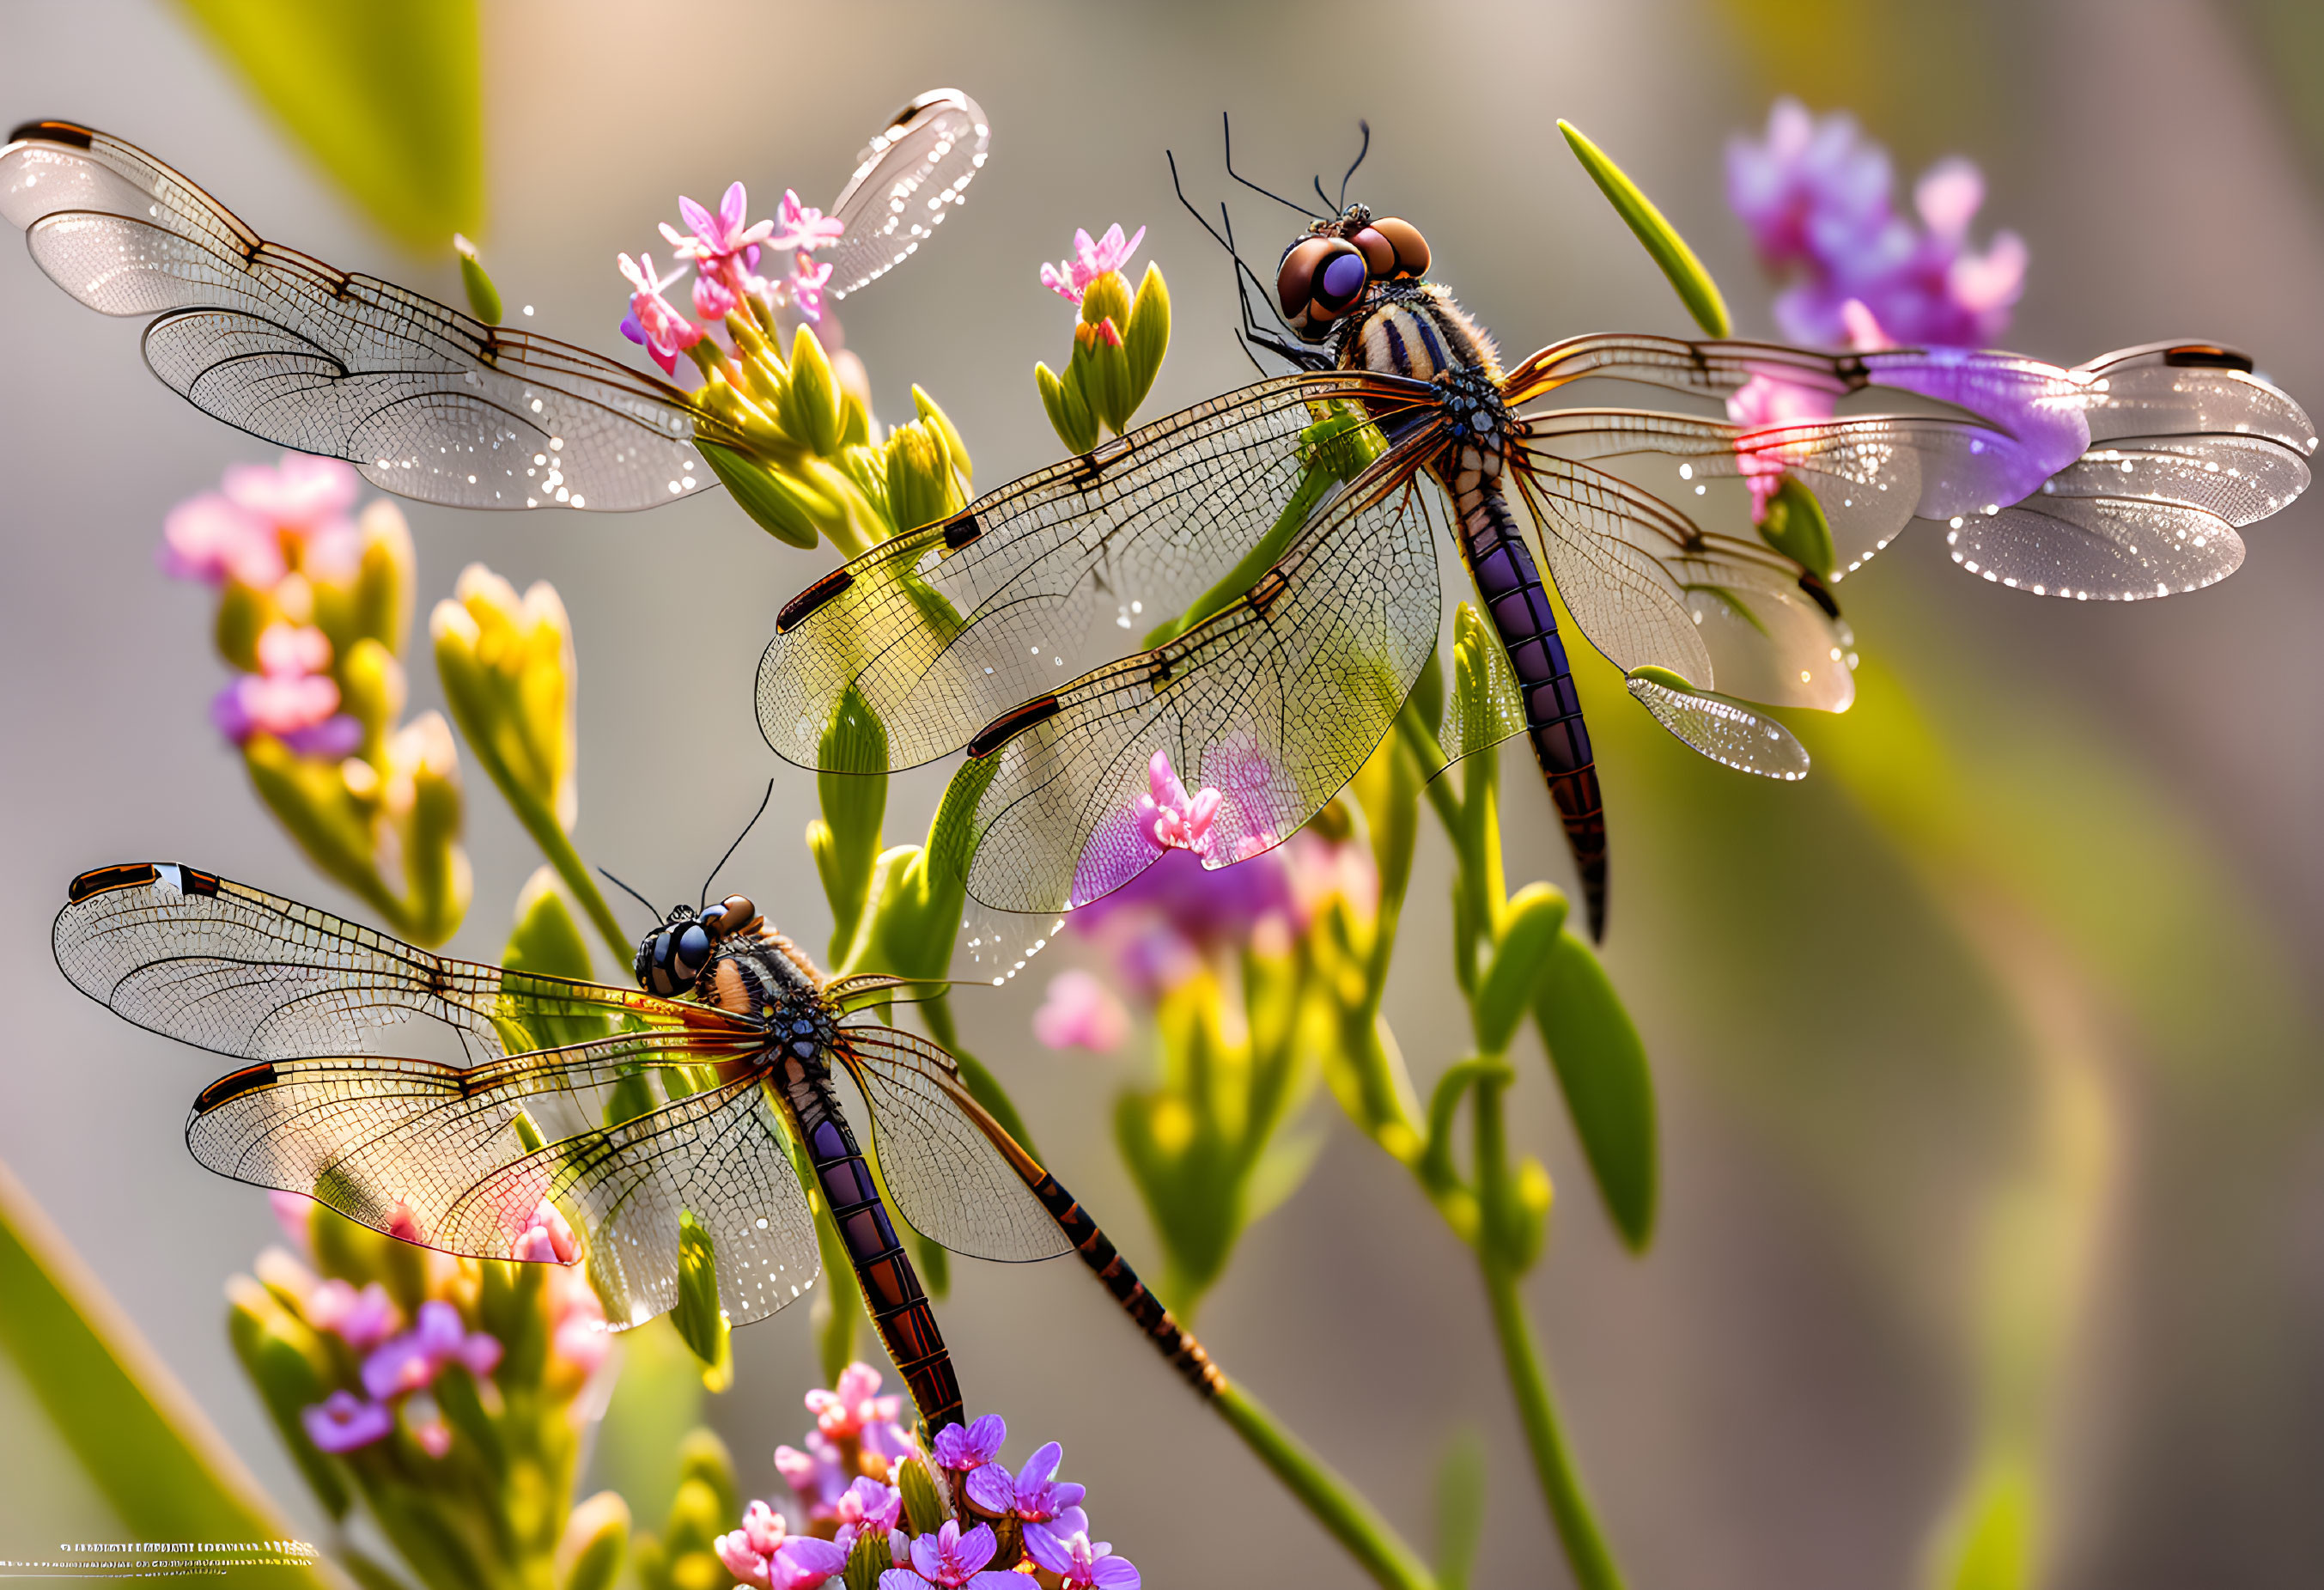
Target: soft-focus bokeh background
x,y
1987,1057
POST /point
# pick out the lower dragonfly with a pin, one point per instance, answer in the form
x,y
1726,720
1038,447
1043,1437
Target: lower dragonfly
x,y
623,1111
1292,526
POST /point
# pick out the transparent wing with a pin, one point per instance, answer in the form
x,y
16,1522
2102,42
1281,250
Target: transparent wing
x,y
939,631
906,182
946,1173
1732,733
2160,453
1650,589
427,402
231,968
1275,702
427,1151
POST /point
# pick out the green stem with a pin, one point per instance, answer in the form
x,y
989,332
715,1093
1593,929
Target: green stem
x,y
1586,1552
1333,1502
542,825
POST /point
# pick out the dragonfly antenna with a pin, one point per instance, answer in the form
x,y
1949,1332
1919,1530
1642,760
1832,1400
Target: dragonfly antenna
x,y
1227,129
731,849
1366,128
632,893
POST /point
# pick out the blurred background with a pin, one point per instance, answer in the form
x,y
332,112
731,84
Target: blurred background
x,y
1986,1059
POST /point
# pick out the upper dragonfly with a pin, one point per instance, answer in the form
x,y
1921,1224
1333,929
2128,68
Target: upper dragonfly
x,y
1288,525
591,1120
427,402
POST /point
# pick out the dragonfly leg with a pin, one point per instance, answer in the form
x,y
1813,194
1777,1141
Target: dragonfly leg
x,y
1503,568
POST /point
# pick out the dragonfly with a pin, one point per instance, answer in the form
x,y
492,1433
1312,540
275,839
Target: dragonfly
x,y
627,1111
1291,526
427,402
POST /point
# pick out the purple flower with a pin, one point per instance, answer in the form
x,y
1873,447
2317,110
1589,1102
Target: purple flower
x,y
961,1448
1202,908
1045,1504
724,251
806,282
950,1559
440,1339
1071,279
1080,1012
342,1421
1079,1563
866,1504
654,322
1816,198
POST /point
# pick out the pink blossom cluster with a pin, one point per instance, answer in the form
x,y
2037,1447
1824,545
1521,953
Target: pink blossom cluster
x,y
723,250
1071,279
276,532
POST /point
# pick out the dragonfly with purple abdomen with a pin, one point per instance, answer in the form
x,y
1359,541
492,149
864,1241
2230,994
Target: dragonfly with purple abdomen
x,y
1292,525
611,1117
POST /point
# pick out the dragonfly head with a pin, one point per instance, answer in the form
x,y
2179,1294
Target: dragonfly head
x,y
1325,271
672,958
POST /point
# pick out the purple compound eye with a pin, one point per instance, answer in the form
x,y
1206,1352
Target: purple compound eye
x,y
1342,277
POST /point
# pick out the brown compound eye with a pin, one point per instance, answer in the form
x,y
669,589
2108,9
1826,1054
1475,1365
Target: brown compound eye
x,y
1320,279
1380,253
1410,247
734,913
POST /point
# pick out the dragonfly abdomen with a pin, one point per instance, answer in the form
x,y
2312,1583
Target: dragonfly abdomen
x,y
1494,547
1172,1340
891,1288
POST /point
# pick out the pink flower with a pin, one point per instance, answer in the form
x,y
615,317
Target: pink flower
x,y
803,227
1768,402
814,1476
845,1410
867,1505
547,1239
304,493
807,281
1081,1012
745,1551
1168,817
726,251
292,1211
653,323
363,1319
1070,278
950,1559
342,1422
207,538
581,1338
434,1436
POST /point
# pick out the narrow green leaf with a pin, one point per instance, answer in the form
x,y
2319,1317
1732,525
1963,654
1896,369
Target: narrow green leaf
x,y
484,298
1601,1067
1069,412
142,1439
921,1504
388,99
1692,283
596,1539
1529,934
1794,526
761,491
1459,1509
701,1322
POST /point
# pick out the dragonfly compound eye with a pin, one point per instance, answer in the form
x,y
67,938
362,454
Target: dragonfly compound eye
x,y
691,951
1404,240
734,913
1320,278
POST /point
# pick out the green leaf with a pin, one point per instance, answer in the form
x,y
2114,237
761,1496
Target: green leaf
x,y
140,1438
1146,336
1601,1067
1068,411
388,99
596,1539
1693,284
1459,1509
759,490
921,1504
701,1322
484,298
546,940
1530,933
1794,526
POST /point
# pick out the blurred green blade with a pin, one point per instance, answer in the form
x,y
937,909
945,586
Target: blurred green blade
x,y
388,99
1600,1063
169,1474
1692,283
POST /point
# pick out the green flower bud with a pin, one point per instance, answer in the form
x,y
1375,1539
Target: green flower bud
x,y
854,418
845,841
922,487
1794,526
372,689
650,1560
775,501
868,1560
242,616
702,1455
697,1516
1101,365
810,409
1146,338
958,449
1068,411
922,1505
596,1539
484,298
386,578
291,1370
701,1322
434,865
507,667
